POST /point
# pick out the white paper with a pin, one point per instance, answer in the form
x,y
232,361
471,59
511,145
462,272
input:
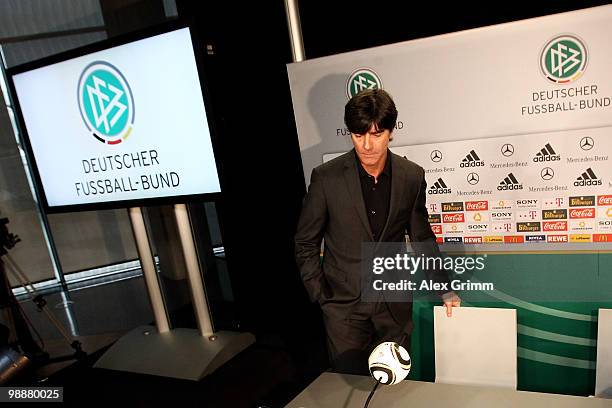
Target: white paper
x,y
476,346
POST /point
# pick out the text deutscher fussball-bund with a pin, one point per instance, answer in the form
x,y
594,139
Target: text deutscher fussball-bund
x,y
124,161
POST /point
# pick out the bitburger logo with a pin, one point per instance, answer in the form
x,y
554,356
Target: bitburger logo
x,y
528,226
582,201
587,178
509,183
454,206
435,218
554,214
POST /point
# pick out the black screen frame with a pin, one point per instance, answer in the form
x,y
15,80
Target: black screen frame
x,y
200,60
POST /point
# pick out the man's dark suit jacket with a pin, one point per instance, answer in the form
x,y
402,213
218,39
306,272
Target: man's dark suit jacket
x,y
334,209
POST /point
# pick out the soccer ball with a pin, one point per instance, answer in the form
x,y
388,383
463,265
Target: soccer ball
x,y
389,363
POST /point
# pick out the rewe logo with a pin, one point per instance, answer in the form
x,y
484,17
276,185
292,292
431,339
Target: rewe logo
x,y
563,59
471,160
439,187
509,183
362,79
557,238
106,102
588,178
546,154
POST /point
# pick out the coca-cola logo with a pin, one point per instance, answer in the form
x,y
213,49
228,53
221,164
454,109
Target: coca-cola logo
x,y
453,217
437,229
476,205
604,200
555,225
582,213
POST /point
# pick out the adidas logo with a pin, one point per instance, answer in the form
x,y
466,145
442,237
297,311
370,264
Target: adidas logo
x,y
546,154
509,183
588,178
471,160
439,187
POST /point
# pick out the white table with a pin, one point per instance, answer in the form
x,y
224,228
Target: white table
x,y
331,390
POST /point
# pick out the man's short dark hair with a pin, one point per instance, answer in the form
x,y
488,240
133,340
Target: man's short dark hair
x,y
370,107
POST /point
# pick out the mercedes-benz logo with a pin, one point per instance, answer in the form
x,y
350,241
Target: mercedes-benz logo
x,y
587,143
547,173
473,178
507,150
436,156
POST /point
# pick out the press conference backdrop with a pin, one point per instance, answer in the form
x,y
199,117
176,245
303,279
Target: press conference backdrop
x,y
513,125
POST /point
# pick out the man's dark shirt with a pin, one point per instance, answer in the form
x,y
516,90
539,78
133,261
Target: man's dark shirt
x,y
376,195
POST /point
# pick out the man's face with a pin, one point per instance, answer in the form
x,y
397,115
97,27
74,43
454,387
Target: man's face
x,y
371,147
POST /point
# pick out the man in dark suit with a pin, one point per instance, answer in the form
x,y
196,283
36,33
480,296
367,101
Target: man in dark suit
x,y
366,195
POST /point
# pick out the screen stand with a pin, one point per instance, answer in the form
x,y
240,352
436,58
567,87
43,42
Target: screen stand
x,y
179,353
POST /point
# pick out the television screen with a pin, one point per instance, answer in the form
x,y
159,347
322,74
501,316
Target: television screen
x,y
118,125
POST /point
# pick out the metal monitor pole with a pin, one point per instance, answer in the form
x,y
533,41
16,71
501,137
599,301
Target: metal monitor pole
x,y
183,353
179,353
295,30
147,263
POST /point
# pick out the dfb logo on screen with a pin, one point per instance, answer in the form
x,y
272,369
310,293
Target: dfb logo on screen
x,y
106,102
